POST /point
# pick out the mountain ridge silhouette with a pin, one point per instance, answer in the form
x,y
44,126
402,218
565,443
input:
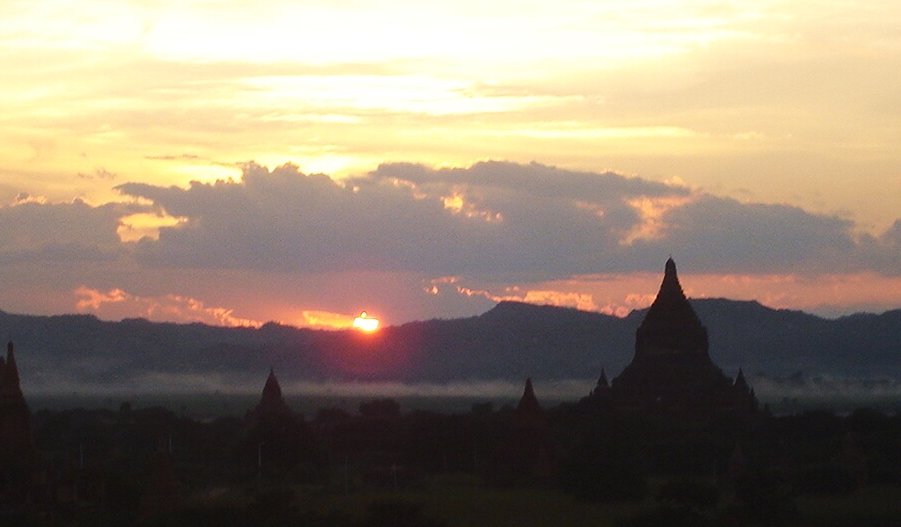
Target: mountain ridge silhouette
x,y
511,341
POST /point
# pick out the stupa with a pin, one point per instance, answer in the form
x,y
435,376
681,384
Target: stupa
x,y
526,453
15,417
17,452
671,370
272,404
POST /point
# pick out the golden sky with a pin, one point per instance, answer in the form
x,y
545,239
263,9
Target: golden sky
x,y
772,114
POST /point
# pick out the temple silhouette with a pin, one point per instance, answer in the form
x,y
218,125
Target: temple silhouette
x,y
526,453
276,438
16,443
272,406
671,370
671,425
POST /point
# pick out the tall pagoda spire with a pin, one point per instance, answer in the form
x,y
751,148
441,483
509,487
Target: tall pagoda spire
x,y
272,390
9,383
671,324
272,401
740,382
528,403
602,381
601,390
671,369
525,454
16,454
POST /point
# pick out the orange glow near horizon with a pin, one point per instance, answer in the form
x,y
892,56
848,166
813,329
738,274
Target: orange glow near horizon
x,y
365,323
619,294
319,319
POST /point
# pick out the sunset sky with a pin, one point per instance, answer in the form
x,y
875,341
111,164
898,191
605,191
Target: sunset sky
x,y
236,162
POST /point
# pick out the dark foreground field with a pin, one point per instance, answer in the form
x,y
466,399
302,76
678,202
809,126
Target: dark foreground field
x,y
380,463
462,501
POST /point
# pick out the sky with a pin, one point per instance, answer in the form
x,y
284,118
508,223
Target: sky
x,y
237,162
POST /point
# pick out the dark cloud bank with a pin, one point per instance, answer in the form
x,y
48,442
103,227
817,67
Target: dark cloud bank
x,y
61,232
489,221
493,219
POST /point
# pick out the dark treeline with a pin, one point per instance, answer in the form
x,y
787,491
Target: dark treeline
x,y
152,466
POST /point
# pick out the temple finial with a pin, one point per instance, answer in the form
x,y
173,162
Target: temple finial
x,y
670,265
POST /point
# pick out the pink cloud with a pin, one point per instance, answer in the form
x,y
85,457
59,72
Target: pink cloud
x,y
116,303
619,294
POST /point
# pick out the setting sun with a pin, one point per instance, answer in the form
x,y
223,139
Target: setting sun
x,y
365,323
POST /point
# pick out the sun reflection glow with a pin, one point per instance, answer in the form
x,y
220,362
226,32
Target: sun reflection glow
x,y
365,323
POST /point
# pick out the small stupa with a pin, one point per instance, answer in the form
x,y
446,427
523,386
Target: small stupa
x,y
528,410
272,404
15,417
526,454
17,450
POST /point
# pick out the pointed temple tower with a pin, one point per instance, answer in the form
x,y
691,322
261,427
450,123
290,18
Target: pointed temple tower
x,y
277,442
272,405
526,454
17,453
15,417
671,370
602,389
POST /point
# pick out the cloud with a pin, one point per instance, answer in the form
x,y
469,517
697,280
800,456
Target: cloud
x,y
99,173
884,251
716,234
493,219
892,236
35,231
116,303
24,197
583,301
307,249
175,157
489,218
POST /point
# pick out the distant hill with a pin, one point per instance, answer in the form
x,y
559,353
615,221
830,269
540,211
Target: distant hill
x,y
509,342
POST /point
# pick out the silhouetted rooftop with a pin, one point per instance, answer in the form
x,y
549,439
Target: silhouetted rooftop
x,y
671,368
671,323
528,403
9,382
271,401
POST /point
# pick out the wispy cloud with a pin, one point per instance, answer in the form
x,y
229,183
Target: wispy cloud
x,y
583,301
117,303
